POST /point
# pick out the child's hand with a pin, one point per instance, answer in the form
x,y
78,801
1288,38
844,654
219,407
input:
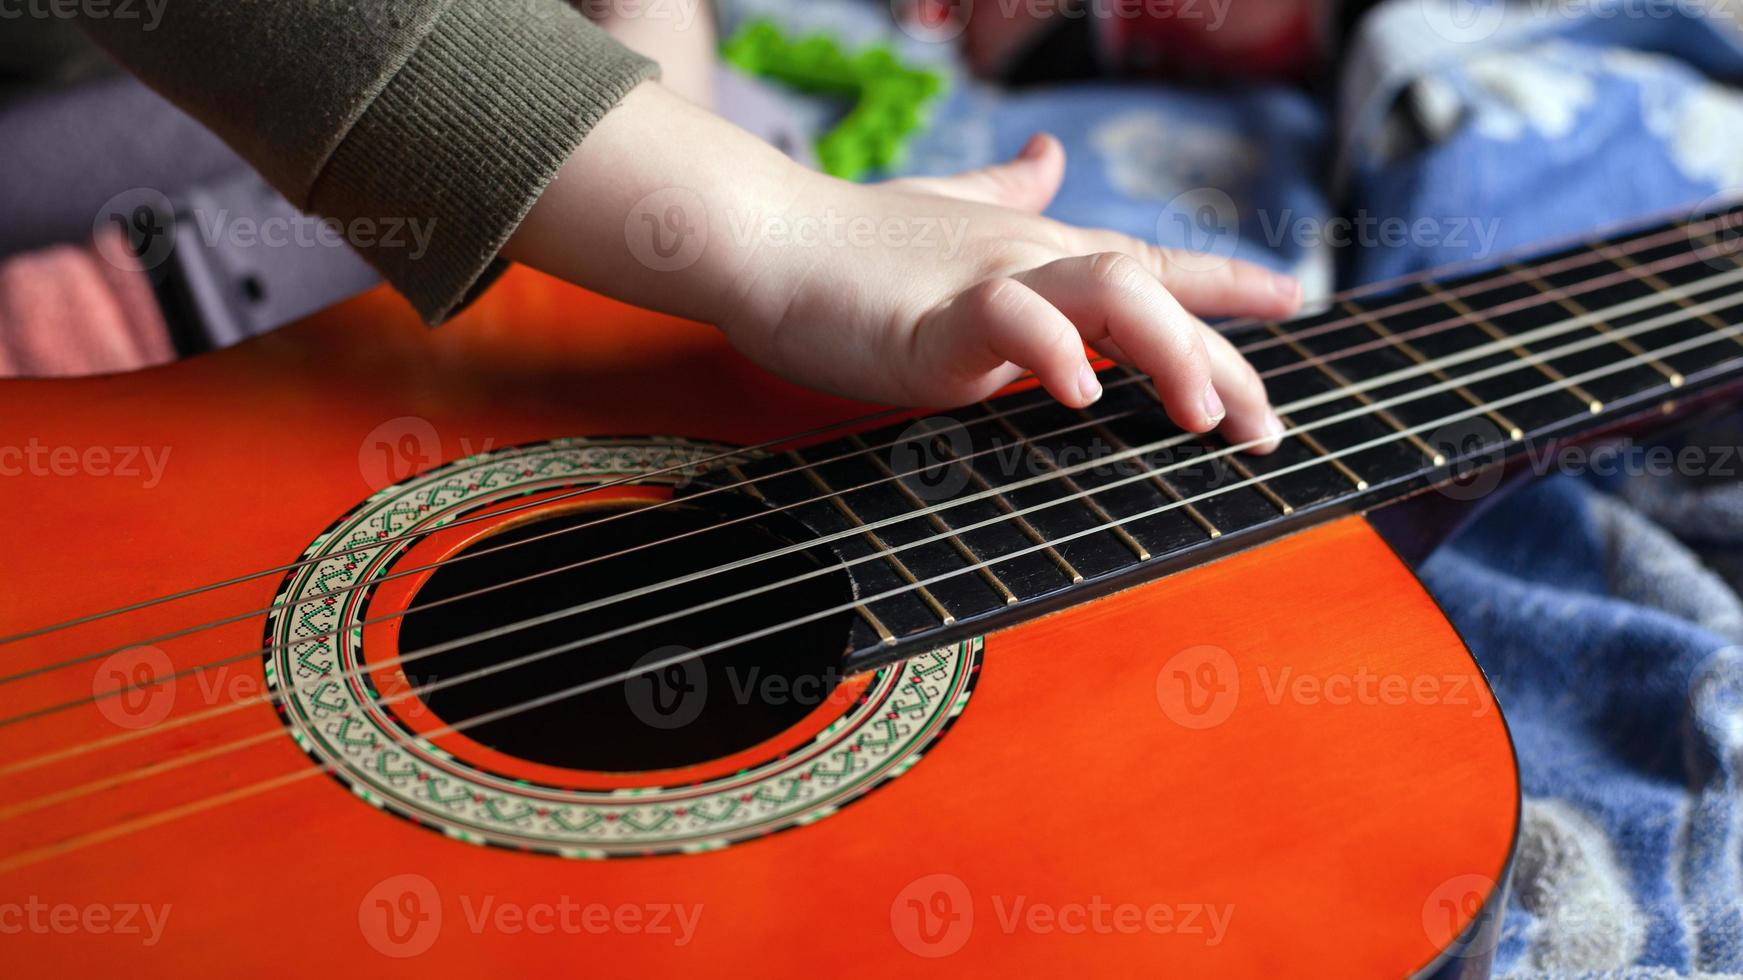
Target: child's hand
x,y
934,292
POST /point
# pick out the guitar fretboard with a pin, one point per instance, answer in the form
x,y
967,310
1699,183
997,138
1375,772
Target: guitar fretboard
x,y
958,523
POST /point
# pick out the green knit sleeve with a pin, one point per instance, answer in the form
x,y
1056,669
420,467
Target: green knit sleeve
x,y
446,115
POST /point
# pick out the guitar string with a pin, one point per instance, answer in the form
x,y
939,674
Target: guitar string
x,y
122,828
1506,367
1592,256
1330,395
1384,341
1333,394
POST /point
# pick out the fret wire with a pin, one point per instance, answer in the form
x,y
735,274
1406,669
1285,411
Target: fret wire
x,y
1090,503
28,857
878,543
998,498
1155,479
745,481
1283,506
1674,348
1385,333
1685,229
1577,309
1632,330
961,546
1340,381
1622,259
1548,370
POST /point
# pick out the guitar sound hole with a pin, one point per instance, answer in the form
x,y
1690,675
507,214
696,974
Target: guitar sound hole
x,y
701,709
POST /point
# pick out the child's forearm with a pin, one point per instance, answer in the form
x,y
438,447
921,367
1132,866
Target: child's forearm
x,y
645,209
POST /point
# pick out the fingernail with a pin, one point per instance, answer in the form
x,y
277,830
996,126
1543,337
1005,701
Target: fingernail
x,y
1287,287
1213,406
1033,148
1273,431
1088,385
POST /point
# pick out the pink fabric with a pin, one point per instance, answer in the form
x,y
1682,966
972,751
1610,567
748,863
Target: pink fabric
x,y
68,310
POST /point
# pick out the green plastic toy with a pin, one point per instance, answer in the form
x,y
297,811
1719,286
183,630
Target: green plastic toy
x,y
888,98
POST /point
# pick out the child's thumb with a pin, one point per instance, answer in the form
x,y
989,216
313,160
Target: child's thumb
x,y
1027,182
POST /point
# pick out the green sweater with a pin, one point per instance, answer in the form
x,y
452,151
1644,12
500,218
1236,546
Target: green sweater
x,y
452,112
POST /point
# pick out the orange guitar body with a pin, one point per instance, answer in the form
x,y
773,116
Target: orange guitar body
x,y
1282,762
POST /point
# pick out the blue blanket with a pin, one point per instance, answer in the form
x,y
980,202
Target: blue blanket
x,y
1604,605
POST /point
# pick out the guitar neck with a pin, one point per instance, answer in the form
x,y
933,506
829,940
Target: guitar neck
x,y
960,523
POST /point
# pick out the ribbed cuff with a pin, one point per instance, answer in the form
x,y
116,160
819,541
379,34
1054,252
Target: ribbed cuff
x,y
465,137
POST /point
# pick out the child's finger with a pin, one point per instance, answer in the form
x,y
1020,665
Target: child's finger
x,y
998,323
1206,284
1112,296
1250,414
1233,287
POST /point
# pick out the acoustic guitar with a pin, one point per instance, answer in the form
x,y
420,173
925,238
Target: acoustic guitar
x,y
562,640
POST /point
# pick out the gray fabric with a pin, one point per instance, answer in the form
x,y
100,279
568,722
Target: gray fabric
x,y
67,149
